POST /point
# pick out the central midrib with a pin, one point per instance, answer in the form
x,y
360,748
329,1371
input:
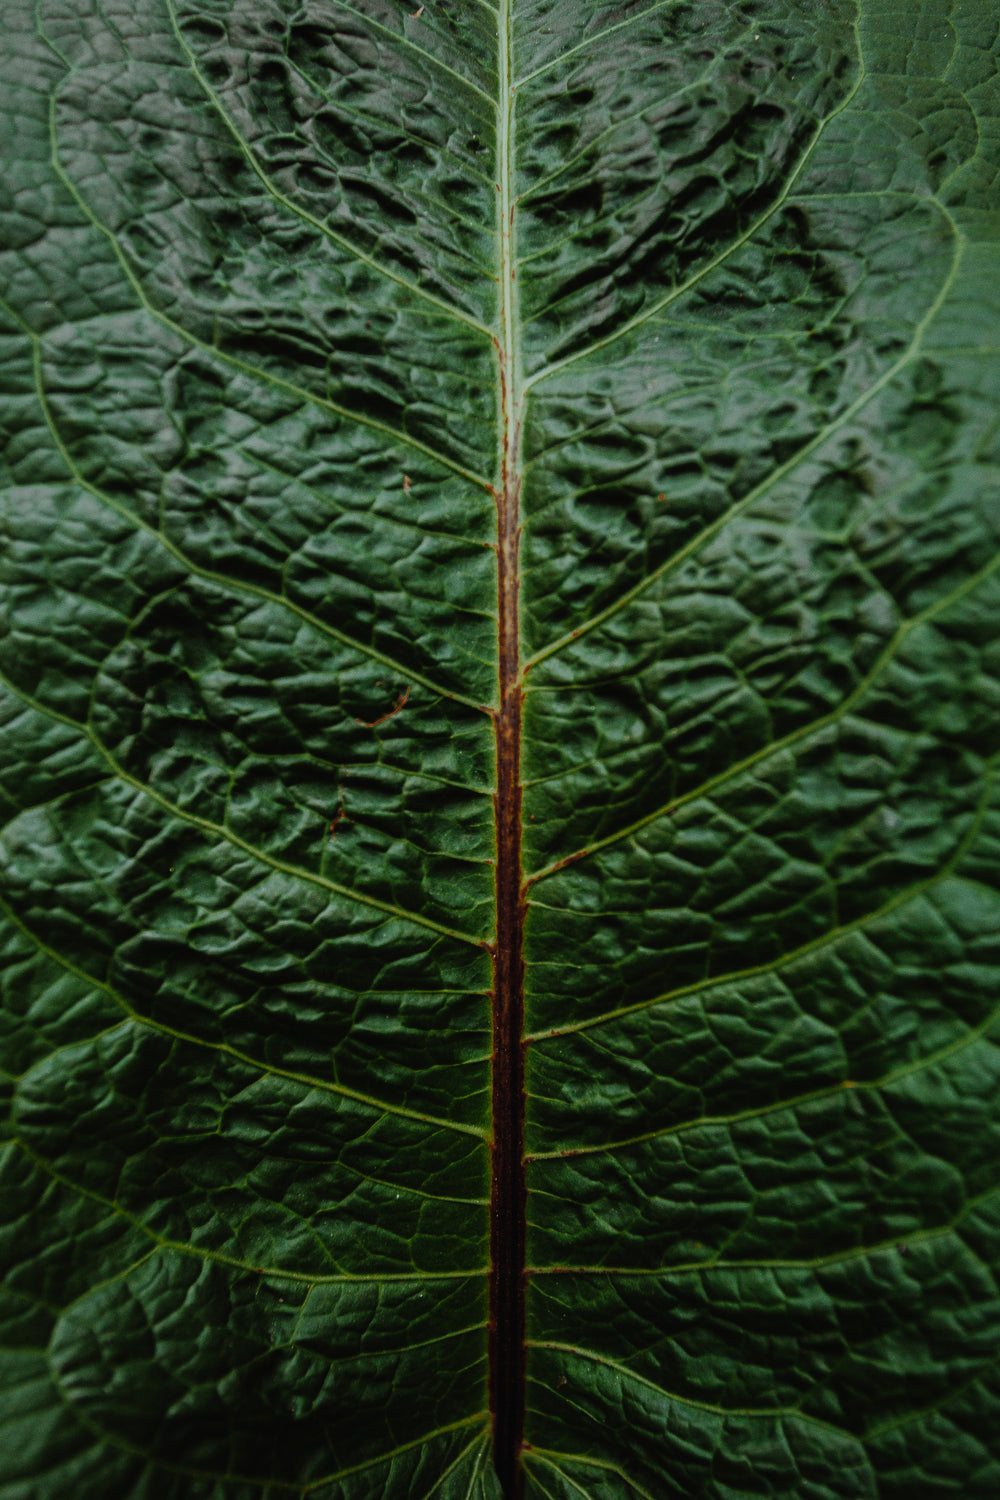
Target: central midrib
x,y
509,1192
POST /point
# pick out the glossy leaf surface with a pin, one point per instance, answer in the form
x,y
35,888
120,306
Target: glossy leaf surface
x,y
296,299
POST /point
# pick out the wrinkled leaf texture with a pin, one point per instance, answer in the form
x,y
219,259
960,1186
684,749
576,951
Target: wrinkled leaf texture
x,y
257,291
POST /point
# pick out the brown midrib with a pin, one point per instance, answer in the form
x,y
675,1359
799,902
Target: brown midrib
x,y
508,1200
509,1191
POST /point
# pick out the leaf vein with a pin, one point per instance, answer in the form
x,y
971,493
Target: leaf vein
x,y
217,831
301,393
776,475
796,736
285,202
701,986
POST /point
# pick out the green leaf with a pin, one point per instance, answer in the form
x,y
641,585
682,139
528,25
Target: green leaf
x,y
501,586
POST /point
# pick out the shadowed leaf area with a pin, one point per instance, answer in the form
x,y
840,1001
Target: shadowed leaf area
x,y
500,574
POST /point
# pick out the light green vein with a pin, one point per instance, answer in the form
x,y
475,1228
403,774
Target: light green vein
x,y
933,1407
796,736
301,213
536,1482
736,976
595,140
217,1257
222,580
477,1443
479,1416
591,41
548,1455
217,831
105,1282
79,790
228,1477
905,1238
404,41
480,1456
267,466
293,1075
253,371
712,265
358,1355
379,122
614,215
408,1190
591,1357
779,1106
766,485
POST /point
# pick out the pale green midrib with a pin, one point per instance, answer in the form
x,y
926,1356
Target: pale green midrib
x,y
505,169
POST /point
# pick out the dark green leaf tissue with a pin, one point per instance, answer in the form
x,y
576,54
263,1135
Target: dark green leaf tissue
x,y
499,703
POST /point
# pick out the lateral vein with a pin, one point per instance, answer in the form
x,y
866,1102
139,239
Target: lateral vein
x,y
254,371
222,580
702,986
292,207
216,830
275,1273
592,1357
796,736
294,1075
776,475
718,260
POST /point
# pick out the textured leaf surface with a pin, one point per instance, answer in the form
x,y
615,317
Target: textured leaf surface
x,y
295,298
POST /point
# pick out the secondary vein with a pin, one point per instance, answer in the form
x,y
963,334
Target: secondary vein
x,y
216,830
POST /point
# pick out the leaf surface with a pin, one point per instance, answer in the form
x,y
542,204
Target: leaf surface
x,y
501,523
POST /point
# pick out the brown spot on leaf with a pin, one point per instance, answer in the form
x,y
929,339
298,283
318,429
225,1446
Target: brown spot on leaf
x,y
339,817
400,701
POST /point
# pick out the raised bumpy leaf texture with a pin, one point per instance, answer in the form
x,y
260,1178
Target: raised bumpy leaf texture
x,y
501,576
